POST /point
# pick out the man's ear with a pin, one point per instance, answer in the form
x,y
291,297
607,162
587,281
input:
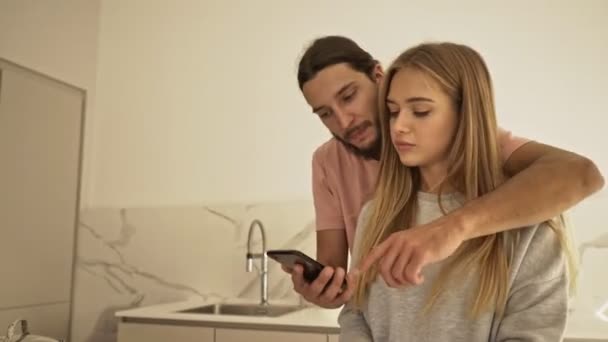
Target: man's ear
x,y
378,73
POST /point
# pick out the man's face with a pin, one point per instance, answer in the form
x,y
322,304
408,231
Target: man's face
x,y
346,100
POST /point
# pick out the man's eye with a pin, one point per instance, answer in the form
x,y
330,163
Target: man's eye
x,y
349,97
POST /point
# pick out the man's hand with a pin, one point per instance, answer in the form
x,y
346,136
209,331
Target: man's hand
x,y
326,291
403,255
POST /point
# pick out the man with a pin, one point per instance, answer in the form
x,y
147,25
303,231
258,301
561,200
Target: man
x,y
339,80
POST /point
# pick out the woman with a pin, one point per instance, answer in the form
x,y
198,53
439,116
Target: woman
x,y
439,151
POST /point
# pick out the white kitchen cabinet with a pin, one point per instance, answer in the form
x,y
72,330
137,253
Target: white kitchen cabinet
x,y
332,338
137,332
244,335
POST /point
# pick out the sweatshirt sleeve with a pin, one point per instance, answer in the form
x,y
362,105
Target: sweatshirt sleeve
x,y
353,327
537,306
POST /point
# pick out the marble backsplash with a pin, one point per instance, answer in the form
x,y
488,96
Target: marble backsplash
x,y
143,256
138,257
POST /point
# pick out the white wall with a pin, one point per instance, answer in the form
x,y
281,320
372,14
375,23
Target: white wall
x,y
59,39
198,101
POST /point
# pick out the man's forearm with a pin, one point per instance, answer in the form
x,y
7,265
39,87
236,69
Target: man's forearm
x,y
545,189
332,248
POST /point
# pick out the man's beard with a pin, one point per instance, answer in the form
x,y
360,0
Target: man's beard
x,y
370,152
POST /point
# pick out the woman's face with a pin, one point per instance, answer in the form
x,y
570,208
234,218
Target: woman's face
x,y
423,121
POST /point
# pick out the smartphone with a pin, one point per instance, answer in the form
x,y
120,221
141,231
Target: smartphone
x,y
291,257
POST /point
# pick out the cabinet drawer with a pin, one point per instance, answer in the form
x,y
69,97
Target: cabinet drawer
x,y
242,335
137,332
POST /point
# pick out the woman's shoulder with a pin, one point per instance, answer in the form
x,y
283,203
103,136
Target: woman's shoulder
x,y
539,253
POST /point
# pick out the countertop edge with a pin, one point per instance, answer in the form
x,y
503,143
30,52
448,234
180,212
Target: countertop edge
x,y
234,325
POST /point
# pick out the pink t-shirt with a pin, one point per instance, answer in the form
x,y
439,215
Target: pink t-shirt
x,y
343,182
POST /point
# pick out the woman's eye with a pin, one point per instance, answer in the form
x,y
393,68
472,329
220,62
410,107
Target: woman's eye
x,y
421,113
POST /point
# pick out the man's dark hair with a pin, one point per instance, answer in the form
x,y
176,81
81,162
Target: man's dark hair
x,y
331,50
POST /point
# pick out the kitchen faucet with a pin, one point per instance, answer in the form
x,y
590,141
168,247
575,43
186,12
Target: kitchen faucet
x,y
262,256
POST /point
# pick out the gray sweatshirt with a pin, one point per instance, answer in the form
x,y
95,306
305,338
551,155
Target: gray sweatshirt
x,y
537,295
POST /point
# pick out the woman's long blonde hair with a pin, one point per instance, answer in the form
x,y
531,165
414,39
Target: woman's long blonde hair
x,y
475,168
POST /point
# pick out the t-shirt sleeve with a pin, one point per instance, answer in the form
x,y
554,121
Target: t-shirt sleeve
x,y
509,143
328,211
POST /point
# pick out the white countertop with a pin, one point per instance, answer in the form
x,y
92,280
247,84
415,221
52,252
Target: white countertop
x,y
582,325
310,319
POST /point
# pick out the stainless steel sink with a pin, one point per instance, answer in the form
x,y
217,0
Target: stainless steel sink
x,y
244,309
